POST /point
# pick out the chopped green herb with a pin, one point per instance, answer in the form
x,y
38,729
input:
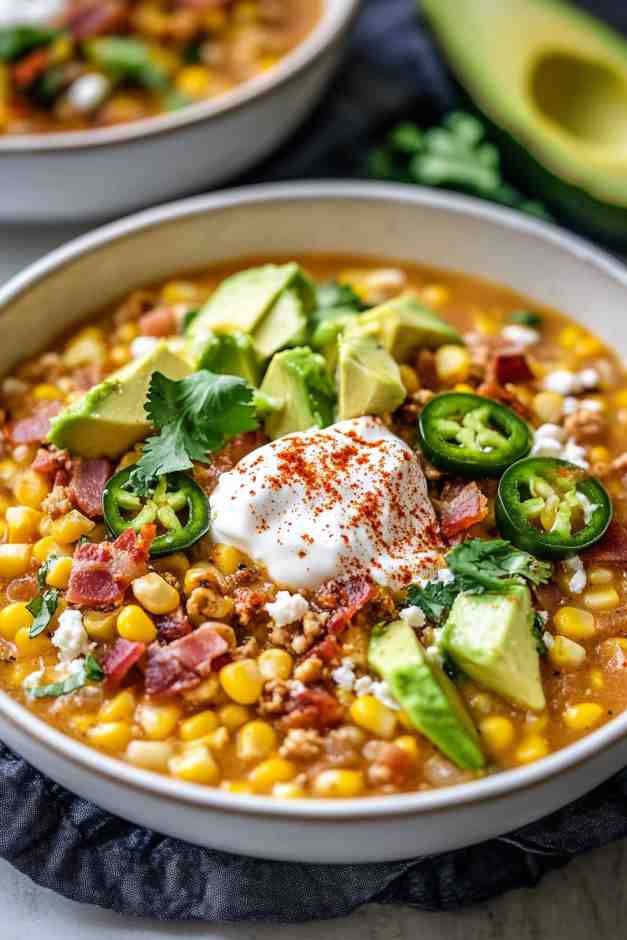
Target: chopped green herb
x,y
525,318
538,633
44,570
188,319
91,671
17,41
435,599
43,608
335,294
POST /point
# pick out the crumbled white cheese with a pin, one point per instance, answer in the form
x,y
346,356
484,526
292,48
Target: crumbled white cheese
x,y
543,615
520,335
88,92
588,379
579,579
344,675
547,639
33,680
27,12
574,453
444,576
366,685
413,616
287,608
570,405
142,345
591,404
70,637
565,382
587,506
548,441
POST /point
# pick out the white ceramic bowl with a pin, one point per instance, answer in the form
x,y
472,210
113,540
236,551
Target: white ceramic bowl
x,y
106,172
387,223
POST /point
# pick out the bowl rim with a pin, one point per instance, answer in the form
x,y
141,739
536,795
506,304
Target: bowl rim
x,y
334,19
358,809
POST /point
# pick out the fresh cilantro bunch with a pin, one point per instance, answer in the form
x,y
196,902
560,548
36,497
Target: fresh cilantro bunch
x,y
455,155
195,416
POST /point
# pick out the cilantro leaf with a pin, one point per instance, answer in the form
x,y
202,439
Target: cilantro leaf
x,y
335,294
43,571
537,629
495,565
43,608
91,671
435,599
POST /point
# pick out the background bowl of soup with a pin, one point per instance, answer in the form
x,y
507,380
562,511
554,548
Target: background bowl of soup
x,y
50,174
387,226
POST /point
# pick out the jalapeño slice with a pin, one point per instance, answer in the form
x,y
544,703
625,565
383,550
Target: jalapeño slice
x,y
177,506
551,508
470,435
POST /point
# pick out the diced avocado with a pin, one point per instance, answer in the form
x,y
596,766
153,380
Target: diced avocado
x,y
270,302
299,380
403,326
427,696
490,637
325,329
552,81
110,418
231,354
368,378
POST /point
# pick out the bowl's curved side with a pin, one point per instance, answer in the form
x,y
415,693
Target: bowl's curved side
x,y
384,222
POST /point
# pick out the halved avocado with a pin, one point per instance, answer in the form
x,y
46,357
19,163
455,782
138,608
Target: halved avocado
x,y
551,80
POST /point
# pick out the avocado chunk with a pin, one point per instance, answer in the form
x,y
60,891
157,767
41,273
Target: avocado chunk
x,y
231,354
368,379
489,636
110,418
270,303
557,110
298,379
402,326
427,696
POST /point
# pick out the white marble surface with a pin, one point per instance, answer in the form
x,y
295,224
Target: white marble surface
x,y
585,901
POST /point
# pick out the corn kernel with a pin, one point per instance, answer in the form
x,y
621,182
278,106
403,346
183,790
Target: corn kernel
x,y
126,332
197,765
620,398
100,625
583,716
150,755
338,783
43,548
599,454
194,81
275,664
574,623
409,744
70,527
14,617
570,336
242,681
255,740
130,458
133,624
87,346
59,574
537,721
195,576
31,489
369,713
176,564
120,708
80,724
601,598
209,690
452,363
14,560
46,392
236,786
110,735
531,748
233,716
288,791
227,558
158,721
22,523
31,646
409,378
119,354
596,679
198,725
600,576
548,407
155,594
271,771
435,295
497,732
180,292
566,654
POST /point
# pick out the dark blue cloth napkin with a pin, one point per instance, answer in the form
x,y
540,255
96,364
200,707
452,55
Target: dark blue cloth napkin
x,y
392,71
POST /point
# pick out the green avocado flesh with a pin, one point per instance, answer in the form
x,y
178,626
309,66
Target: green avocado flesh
x,y
427,696
110,418
298,380
368,379
231,354
489,636
402,326
552,81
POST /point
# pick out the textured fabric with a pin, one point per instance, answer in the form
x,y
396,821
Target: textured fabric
x,y
392,71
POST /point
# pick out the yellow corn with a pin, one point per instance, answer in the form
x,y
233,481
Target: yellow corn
x,y
59,574
198,725
497,732
531,748
45,392
409,744
110,735
601,598
176,564
158,721
31,646
133,624
194,81
583,716
227,559
570,336
409,378
566,654
288,791
435,295
22,523
452,363
271,771
596,679
31,489
236,786
338,783
100,625
130,457
70,527
369,713
150,755
275,664
87,346
80,724
255,740
155,594
233,716
180,292
119,708
575,623
196,765
600,576
195,575
548,407
537,721
14,617
14,560
119,354
126,332
242,681
43,548
208,691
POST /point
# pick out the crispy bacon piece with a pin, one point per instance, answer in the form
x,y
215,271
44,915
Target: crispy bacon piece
x,y
49,461
101,572
345,597
87,484
327,650
171,627
33,430
395,763
612,549
87,18
122,656
313,708
30,68
510,365
466,509
159,322
492,389
185,662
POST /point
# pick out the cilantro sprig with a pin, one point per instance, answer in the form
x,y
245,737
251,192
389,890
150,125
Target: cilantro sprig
x,y
43,608
91,671
195,416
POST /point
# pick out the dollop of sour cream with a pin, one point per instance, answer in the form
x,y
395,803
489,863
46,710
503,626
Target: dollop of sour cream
x,y
320,504
23,12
